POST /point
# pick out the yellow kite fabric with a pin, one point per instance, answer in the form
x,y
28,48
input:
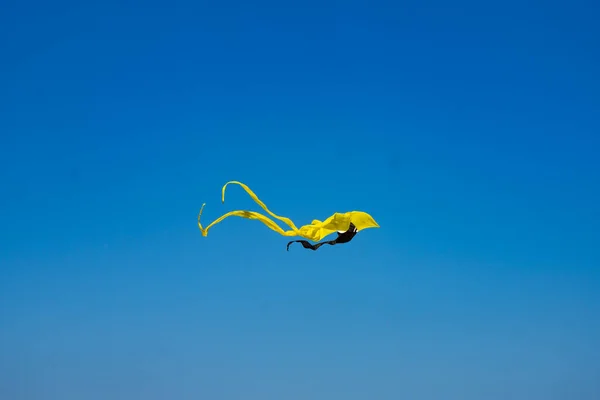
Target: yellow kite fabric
x,y
315,231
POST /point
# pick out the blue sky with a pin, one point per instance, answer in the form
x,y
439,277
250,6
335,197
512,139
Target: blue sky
x,y
468,130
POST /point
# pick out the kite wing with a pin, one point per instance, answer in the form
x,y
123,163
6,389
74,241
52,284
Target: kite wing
x,y
317,230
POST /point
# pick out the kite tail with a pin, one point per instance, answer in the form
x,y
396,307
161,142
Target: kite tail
x,y
244,214
308,245
285,220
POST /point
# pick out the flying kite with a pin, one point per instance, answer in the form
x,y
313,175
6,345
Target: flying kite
x,y
346,225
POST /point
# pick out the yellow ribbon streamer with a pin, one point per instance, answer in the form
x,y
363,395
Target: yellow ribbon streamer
x,y
315,231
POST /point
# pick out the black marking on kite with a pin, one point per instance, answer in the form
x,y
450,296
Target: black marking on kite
x,y
343,237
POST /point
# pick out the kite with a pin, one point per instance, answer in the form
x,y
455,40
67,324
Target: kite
x,y
346,225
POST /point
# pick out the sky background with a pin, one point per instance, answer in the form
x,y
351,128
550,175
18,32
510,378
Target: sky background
x,y
470,131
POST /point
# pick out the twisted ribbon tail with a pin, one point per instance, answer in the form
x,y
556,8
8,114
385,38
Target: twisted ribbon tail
x,y
254,197
244,214
202,230
307,245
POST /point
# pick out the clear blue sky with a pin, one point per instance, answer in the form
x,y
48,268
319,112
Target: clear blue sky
x,y
469,130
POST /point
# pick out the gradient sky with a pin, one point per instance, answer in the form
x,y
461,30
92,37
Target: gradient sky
x,y
470,131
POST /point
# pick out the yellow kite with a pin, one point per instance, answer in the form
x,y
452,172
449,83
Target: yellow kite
x,y
346,225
